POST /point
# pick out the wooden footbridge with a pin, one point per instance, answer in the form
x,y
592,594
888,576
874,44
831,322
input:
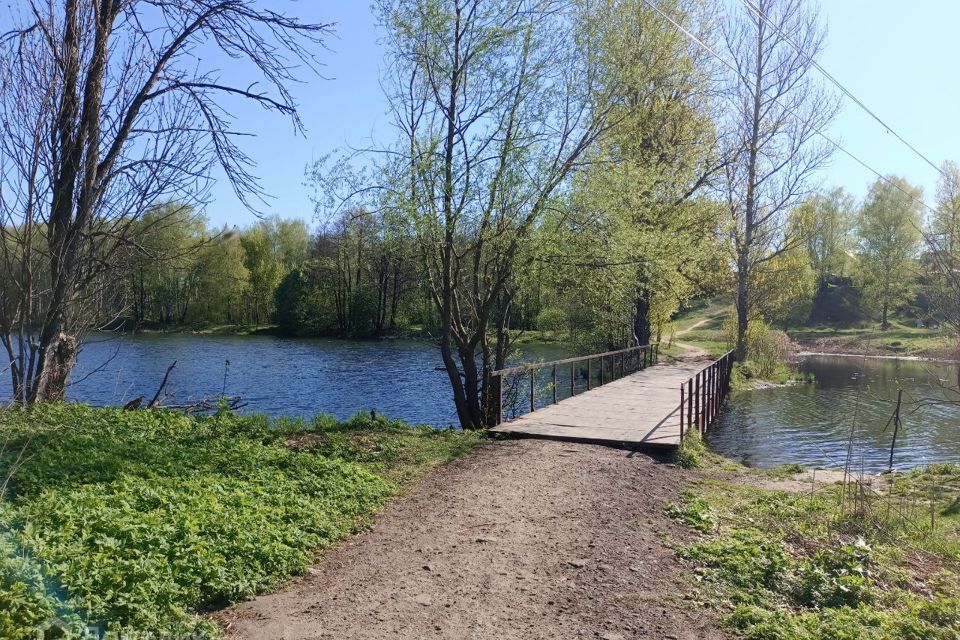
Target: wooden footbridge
x,y
624,398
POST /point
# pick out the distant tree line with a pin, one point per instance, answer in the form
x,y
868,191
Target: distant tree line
x,y
853,263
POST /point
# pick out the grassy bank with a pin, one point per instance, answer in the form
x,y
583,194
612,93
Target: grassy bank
x,y
789,560
903,338
139,521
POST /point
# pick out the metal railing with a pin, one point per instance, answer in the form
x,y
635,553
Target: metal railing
x,y
630,360
702,396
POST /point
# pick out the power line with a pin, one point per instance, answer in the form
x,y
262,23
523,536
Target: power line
x,y
787,109
763,16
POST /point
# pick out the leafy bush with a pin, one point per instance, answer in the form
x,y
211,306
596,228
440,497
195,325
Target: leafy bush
x,y
137,520
768,350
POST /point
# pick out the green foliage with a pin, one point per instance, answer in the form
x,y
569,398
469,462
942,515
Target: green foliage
x,y
747,560
889,229
836,577
693,511
768,350
691,452
806,566
141,519
831,241
635,240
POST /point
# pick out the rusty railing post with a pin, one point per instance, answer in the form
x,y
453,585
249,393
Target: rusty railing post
x,y
589,374
573,379
681,410
696,408
533,390
554,384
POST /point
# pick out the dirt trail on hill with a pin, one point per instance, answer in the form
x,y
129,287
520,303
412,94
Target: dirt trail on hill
x,y
692,353
521,539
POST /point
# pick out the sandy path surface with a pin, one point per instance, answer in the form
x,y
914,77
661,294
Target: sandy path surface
x,y
521,539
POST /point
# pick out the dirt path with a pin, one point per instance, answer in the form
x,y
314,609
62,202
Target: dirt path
x,y
522,539
691,353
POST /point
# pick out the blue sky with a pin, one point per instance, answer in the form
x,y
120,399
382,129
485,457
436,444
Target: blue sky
x,y
900,58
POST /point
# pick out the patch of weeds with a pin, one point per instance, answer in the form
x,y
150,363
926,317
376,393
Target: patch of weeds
x,y
693,511
692,451
694,454
746,560
802,566
836,576
139,520
783,471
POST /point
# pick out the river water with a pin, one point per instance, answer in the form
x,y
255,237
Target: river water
x,y
851,401
276,376
810,424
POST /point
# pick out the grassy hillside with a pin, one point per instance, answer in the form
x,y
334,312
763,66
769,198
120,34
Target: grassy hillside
x,y
702,326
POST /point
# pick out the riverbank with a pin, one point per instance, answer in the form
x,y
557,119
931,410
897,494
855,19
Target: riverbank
x,y
137,522
789,554
900,340
154,522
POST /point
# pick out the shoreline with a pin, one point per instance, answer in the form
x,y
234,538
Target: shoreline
x,y
805,354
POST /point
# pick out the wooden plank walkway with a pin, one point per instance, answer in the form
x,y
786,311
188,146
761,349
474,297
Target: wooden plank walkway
x,y
641,410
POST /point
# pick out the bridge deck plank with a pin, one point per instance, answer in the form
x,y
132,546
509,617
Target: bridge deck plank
x,y
640,410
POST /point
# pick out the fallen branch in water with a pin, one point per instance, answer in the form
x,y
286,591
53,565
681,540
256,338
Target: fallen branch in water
x,y
156,397
208,404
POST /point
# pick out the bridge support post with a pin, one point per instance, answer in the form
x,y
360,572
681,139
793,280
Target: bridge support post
x,y
533,390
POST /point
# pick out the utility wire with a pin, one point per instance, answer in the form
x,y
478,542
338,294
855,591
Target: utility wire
x,y
763,16
787,109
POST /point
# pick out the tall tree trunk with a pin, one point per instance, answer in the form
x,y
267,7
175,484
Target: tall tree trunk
x,y
641,316
743,308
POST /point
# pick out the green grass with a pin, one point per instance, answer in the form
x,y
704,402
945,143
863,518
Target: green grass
x,y
139,521
834,564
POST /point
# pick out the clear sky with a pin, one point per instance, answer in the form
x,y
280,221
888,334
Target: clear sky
x,y
898,57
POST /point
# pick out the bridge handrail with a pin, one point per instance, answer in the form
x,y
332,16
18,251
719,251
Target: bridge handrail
x,y
523,368
647,355
702,395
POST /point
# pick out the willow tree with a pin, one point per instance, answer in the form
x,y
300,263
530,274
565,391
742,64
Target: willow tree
x,y
108,109
496,105
775,111
639,231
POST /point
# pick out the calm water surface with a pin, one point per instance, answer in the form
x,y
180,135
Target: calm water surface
x,y
810,424
300,377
